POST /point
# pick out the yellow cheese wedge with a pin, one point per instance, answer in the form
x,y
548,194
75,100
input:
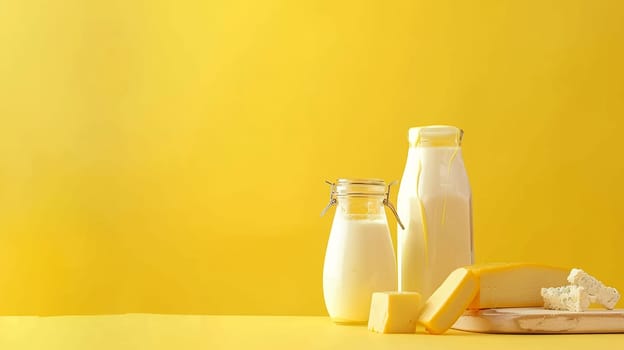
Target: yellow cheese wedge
x,y
394,312
514,284
449,301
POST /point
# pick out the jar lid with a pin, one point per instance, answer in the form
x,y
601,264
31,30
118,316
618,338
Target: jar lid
x,y
361,188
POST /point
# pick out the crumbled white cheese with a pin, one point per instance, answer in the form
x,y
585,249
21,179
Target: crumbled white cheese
x,y
569,298
579,277
598,292
608,297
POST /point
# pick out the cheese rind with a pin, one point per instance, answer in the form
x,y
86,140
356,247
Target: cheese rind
x,y
598,292
449,301
514,284
394,312
567,298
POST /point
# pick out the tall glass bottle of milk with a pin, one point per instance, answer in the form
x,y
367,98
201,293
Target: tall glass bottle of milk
x,y
359,259
435,203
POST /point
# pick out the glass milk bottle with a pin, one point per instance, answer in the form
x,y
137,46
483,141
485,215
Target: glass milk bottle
x,y
359,259
435,203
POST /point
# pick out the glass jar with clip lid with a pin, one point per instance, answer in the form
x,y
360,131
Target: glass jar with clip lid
x,y
359,259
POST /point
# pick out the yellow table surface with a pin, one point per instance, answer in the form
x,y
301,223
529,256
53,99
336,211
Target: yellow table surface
x,y
148,331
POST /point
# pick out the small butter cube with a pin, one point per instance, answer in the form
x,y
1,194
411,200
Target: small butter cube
x,y
394,312
449,301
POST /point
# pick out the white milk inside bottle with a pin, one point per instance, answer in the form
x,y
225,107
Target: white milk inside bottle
x,y
359,259
435,203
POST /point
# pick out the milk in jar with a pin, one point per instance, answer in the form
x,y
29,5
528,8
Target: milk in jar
x,y
360,258
435,204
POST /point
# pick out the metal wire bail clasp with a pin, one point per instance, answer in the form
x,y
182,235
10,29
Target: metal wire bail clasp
x,y
389,204
332,197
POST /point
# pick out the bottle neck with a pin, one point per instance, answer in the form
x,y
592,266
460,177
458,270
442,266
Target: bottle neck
x,y
435,136
361,206
428,157
426,143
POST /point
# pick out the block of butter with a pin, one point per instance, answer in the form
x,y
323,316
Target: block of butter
x,y
394,312
449,301
514,284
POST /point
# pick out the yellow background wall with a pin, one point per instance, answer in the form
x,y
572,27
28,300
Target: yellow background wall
x,y
169,156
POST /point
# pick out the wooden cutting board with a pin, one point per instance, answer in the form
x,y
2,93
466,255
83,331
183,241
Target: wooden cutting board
x,y
540,321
